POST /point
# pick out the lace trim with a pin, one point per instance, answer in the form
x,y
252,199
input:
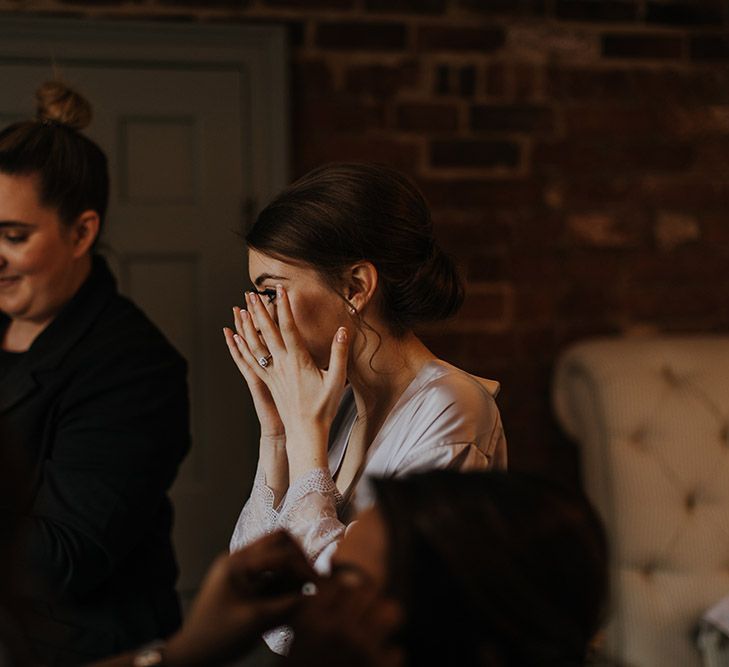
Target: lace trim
x,y
318,480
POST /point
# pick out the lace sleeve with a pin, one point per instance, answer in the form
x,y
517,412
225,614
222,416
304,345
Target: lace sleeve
x,y
309,512
258,515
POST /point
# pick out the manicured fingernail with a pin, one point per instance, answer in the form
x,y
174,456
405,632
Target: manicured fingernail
x,y
243,314
237,338
254,297
341,335
279,291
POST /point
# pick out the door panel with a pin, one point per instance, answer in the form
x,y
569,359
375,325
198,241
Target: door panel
x,y
179,137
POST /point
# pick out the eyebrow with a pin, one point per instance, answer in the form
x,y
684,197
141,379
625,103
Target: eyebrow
x,y
16,223
267,276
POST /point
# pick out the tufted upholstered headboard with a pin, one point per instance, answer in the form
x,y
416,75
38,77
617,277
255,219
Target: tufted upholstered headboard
x,y
651,417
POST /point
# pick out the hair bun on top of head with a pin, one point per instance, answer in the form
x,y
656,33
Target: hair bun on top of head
x,y
57,104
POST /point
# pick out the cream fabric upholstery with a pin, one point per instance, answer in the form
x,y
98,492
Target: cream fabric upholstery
x,y
651,417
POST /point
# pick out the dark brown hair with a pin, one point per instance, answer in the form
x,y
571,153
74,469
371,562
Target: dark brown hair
x,y
504,570
72,170
340,214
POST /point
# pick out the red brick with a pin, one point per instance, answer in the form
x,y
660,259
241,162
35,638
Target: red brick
x,y
686,307
466,232
599,121
467,193
537,268
709,47
484,306
421,117
589,302
629,45
317,149
470,350
310,4
537,343
588,83
608,229
536,307
382,80
612,154
577,331
474,153
442,80
639,85
311,76
496,79
337,112
594,268
227,4
694,192
684,14
203,4
488,266
596,10
699,264
361,36
715,228
481,39
511,118
587,189
539,229
467,81
506,7
525,81
406,6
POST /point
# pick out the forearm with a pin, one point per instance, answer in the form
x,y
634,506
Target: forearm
x,y
275,465
306,449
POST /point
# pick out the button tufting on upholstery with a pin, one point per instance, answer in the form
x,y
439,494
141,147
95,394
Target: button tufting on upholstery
x,y
690,501
724,434
670,376
648,570
637,438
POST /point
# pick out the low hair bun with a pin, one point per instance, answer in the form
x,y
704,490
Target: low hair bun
x,y
433,292
344,213
57,103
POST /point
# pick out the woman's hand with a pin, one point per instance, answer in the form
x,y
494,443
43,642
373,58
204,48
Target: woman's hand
x,y
306,396
272,428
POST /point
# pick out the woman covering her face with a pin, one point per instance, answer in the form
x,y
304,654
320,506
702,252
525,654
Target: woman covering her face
x,y
345,266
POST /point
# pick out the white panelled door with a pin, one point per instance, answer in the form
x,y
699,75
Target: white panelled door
x,y
193,122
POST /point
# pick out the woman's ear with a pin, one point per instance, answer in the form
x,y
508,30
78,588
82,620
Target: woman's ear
x,y
85,230
361,285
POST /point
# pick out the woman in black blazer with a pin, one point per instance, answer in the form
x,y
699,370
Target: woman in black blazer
x,y
93,401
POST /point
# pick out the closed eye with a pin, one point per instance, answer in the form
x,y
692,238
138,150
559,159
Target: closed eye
x,y
269,293
16,238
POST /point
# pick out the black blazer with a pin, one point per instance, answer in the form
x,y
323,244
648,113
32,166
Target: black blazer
x,y
97,409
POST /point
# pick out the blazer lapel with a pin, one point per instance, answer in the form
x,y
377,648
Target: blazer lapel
x,y
15,387
60,336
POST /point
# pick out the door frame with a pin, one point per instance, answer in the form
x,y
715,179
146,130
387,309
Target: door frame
x,y
257,52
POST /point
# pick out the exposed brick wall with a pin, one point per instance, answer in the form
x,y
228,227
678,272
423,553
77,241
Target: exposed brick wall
x,y
575,153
